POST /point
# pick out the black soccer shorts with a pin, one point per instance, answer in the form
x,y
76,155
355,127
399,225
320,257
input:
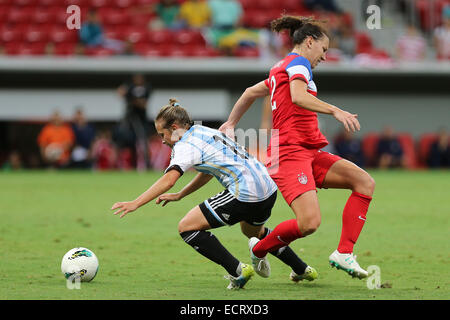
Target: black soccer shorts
x,y
224,209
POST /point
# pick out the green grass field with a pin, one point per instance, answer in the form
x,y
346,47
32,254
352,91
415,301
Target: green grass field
x,y
44,214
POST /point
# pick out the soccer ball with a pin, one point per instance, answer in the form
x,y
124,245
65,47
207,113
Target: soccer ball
x,y
80,262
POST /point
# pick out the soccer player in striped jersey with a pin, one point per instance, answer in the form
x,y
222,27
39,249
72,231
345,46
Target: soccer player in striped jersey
x,y
248,197
299,166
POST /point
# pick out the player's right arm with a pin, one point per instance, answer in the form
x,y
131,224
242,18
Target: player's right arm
x,y
301,97
243,104
199,181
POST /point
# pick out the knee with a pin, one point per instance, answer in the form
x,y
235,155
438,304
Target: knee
x,y
183,226
309,226
365,185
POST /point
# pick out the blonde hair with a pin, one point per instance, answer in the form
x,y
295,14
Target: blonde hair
x,y
173,113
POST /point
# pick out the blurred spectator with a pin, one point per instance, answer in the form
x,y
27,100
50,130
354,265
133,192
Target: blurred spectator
x,y
350,148
389,150
346,41
441,37
412,45
55,141
49,49
195,14
439,156
84,137
167,15
14,161
135,127
226,16
325,5
104,153
159,153
92,36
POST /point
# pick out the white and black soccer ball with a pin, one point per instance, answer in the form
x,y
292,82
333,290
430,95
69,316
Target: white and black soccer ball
x,y
80,262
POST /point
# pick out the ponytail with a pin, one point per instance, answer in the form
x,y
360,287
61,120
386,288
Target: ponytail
x,y
174,113
300,27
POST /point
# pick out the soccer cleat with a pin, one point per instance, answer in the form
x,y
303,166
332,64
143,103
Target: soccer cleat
x,y
310,274
260,265
247,273
348,263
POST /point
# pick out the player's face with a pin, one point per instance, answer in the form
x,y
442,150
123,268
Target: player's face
x,y
318,50
170,135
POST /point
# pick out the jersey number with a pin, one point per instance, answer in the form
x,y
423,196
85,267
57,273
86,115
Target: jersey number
x,y
273,83
241,153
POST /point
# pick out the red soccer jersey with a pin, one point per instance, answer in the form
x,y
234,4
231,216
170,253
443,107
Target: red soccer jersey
x,y
295,125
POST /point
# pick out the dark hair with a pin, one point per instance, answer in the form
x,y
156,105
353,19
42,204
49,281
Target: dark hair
x,y
172,113
300,28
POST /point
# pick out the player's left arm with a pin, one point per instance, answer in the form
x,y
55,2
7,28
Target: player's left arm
x,y
199,181
164,184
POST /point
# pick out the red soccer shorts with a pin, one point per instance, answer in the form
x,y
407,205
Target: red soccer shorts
x,y
298,169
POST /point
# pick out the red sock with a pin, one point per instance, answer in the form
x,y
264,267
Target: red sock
x,y
281,236
353,220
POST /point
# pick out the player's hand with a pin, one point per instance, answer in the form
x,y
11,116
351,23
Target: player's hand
x,y
348,119
124,208
228,129
168,197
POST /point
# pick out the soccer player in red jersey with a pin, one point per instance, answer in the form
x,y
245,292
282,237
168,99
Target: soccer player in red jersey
x,y
299,166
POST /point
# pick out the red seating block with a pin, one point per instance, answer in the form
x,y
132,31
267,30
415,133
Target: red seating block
x,y
369,146
58,35
423,147
160,37
188,37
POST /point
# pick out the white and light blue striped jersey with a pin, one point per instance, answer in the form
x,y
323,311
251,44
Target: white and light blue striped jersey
x,y
210,151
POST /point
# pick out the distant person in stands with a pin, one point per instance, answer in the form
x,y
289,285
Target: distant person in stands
x,y
136,95
84,137
411,46
195,14
55,141
439,156
14,162
226,17
167,12
441,37
92,35
389,150
104,153
350,148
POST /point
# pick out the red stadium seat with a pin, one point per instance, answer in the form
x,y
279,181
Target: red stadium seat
x,y
64,49
135,34
12,34
424,145
42,16
369,146
15,48
4,10
48,3
112,16
409,149
18,15
25,2
249,4
99,52
246,52
6,2
58,35
36,34
257,18
188,37
363,42
204,51
123,3
98,3
149,50
269,4
160,37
